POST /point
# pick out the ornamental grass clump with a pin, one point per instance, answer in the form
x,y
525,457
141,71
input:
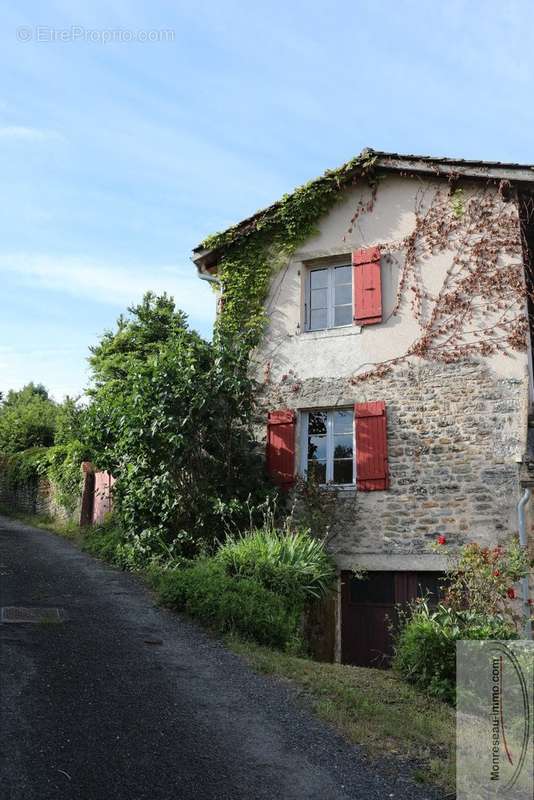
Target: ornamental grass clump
x,y
290,563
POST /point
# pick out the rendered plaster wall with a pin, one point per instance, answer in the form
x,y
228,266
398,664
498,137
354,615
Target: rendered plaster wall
x,y
456,432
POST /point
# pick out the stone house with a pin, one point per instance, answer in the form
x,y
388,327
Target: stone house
x,y
396,367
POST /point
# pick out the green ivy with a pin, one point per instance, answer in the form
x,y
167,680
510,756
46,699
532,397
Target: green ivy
x,y
250,253
25,467
458,203
60,464
64,471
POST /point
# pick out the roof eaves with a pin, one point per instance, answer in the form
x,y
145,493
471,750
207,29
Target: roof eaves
x,y
204,258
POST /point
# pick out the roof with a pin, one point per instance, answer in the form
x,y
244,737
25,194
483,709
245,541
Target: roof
x,y
392,162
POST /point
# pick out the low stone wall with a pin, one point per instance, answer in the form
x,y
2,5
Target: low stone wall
x,y
34,497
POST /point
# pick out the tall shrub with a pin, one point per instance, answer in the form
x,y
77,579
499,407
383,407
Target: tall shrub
x,y
170,418
27,419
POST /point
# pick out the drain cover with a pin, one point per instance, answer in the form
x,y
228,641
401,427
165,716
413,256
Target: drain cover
x,y
20,614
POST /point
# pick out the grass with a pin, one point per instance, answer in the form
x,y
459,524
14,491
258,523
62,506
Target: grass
x,y
370,707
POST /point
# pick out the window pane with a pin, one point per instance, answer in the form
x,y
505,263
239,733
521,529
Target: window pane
x,y
317,447
318,319
318,298
318,278
343,315
317,471
343,446
343,295
343,471
343,421
316,422
343,275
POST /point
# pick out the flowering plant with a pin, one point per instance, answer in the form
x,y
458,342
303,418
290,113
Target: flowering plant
x,y
481,579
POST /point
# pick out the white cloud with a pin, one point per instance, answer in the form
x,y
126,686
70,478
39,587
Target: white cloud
x,y
113,284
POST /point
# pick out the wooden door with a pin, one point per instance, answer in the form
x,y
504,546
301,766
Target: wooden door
x,y
369,612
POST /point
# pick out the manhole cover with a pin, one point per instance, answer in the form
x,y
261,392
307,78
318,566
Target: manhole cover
x,y
20,614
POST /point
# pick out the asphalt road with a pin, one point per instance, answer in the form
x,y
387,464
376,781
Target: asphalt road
x,y
124,701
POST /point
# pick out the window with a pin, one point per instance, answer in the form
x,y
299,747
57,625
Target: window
x,y
328,445
328,297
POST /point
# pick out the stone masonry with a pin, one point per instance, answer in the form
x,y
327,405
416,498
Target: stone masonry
x,y
455,437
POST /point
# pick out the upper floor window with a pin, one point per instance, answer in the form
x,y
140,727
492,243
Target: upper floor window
x,y
328,447
328,301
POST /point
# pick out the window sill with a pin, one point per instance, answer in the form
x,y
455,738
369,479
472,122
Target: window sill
x,y
338,487
328,333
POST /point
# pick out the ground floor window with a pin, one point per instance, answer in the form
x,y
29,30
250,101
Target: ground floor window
x,y
328,445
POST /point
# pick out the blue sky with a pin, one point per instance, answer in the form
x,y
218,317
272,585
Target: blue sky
x,y
116,158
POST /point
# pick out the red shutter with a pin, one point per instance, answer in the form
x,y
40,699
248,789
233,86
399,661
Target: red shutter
x,y
372,471
281,447
366,286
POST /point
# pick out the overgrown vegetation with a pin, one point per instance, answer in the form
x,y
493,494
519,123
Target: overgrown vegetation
x,y
170,418
229,604
40,438
257,585
27,419
478,588
425,654
289,562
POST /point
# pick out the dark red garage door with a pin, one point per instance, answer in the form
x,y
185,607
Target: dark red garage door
x,y
369,612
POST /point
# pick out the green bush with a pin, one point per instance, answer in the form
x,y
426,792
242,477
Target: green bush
x,y
27,419
171,419
425,651
105,542
26,466
292,564
229,604
60,464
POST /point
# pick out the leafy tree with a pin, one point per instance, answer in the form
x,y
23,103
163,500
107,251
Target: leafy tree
x,y
27,419
170,418
69,421
152,323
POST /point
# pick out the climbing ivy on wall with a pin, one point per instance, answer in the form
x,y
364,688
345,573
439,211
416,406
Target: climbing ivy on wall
x,y
252,253
478,310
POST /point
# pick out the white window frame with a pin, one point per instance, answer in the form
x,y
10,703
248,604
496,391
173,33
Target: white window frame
x,y
330,294
304,419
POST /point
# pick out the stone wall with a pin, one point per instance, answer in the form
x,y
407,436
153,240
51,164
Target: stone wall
x,y
34,497
455,438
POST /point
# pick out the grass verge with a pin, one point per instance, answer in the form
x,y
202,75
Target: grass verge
x,y
370,707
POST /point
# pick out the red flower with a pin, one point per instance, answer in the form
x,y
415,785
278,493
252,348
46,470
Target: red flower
x,y
496,572
442,539
511,593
